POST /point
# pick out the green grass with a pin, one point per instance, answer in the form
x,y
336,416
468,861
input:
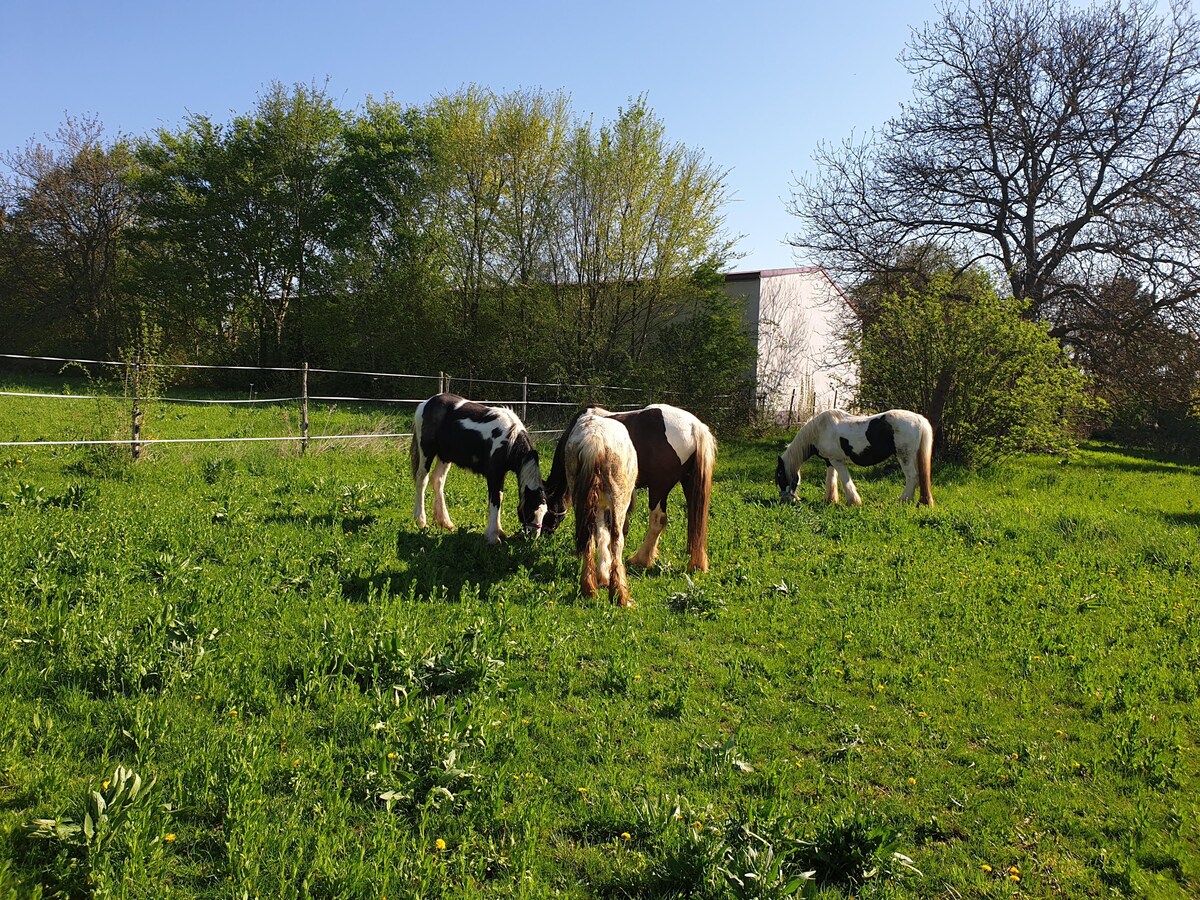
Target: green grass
x,y
331,703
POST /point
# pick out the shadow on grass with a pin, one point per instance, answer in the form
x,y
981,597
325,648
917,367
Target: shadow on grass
x,y
440,565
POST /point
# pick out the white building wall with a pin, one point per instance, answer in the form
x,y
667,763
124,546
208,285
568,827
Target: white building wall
x,y
792,315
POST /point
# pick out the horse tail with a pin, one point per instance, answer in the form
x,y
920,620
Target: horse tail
x,y
586,497
925,462
703,462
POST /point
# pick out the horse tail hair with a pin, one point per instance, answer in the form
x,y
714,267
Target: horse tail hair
x,y
701,489
925,462
587,495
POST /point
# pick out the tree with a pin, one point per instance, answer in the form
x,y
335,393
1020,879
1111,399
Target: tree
x,y
1057,145
640,216
990,382
65,243
237,221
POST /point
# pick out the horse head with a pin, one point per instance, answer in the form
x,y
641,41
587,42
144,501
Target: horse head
x,y
531,502
786,481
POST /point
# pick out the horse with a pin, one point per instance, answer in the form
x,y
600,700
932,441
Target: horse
x,y
673,447
601,470
838,437
487,440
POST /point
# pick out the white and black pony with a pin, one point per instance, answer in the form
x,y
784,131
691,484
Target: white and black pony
x,y
838,437
601,470
488,440
673,447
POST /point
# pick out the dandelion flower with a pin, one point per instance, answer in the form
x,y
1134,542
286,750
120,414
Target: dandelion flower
x,y
986,868
912,780
439,844
625,836
1014,870
169,838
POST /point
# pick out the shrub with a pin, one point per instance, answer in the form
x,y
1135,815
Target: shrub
x,y
992,383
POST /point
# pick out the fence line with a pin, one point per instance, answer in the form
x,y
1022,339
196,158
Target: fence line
x,y
136,441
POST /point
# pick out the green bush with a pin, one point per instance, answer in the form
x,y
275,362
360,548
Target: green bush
x,y
992,383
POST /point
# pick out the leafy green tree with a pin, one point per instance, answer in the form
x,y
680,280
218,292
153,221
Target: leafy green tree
x,y
382,308
991,382
237,221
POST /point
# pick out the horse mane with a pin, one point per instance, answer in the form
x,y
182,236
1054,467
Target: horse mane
x,y
556,482
797,451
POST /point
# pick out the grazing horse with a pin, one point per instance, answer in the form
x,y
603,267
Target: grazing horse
x,y
488,440
601,472
673,447
838,437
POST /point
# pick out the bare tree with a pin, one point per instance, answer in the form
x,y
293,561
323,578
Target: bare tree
x,y
1057,145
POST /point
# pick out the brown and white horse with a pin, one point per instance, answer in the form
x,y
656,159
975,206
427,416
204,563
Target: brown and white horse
x,y
673,447
489,440
838,437
601,471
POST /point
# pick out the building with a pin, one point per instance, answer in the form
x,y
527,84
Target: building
x,y
791,315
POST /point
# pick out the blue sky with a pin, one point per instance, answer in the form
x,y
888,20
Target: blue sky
x,y
756,84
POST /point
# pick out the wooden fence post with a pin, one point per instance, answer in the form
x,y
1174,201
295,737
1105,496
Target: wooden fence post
x,y
304,409
135,445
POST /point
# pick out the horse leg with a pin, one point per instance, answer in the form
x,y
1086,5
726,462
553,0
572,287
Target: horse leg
x,y
587,576
441,516
831,488
604,543
494,533
908,466
848,484
648,552
422,476
618,584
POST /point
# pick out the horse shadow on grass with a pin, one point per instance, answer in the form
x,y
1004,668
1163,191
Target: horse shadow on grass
x,y
439,565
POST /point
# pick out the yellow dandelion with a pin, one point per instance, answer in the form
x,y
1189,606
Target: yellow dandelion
x,y
912,780
625,836
233,713
986,868
169,838
873,708
922,714
104,787
1014,870
391,756
295,762
582,790
439,844
1015,878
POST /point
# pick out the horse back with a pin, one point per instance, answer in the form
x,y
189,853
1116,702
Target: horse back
x,y
665,450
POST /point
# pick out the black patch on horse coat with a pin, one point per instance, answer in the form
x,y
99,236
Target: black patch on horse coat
x,y
881,443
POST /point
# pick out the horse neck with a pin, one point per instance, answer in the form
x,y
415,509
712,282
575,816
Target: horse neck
x,y
796,452
521,453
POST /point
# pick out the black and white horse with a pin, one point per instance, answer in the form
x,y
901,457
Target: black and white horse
x,y
601,471
838,437
488,440
673,447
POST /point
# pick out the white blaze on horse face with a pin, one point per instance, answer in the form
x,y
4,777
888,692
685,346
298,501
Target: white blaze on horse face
x,y
679,432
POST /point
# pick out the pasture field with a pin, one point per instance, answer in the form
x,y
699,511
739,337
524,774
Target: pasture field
x,y
997,697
